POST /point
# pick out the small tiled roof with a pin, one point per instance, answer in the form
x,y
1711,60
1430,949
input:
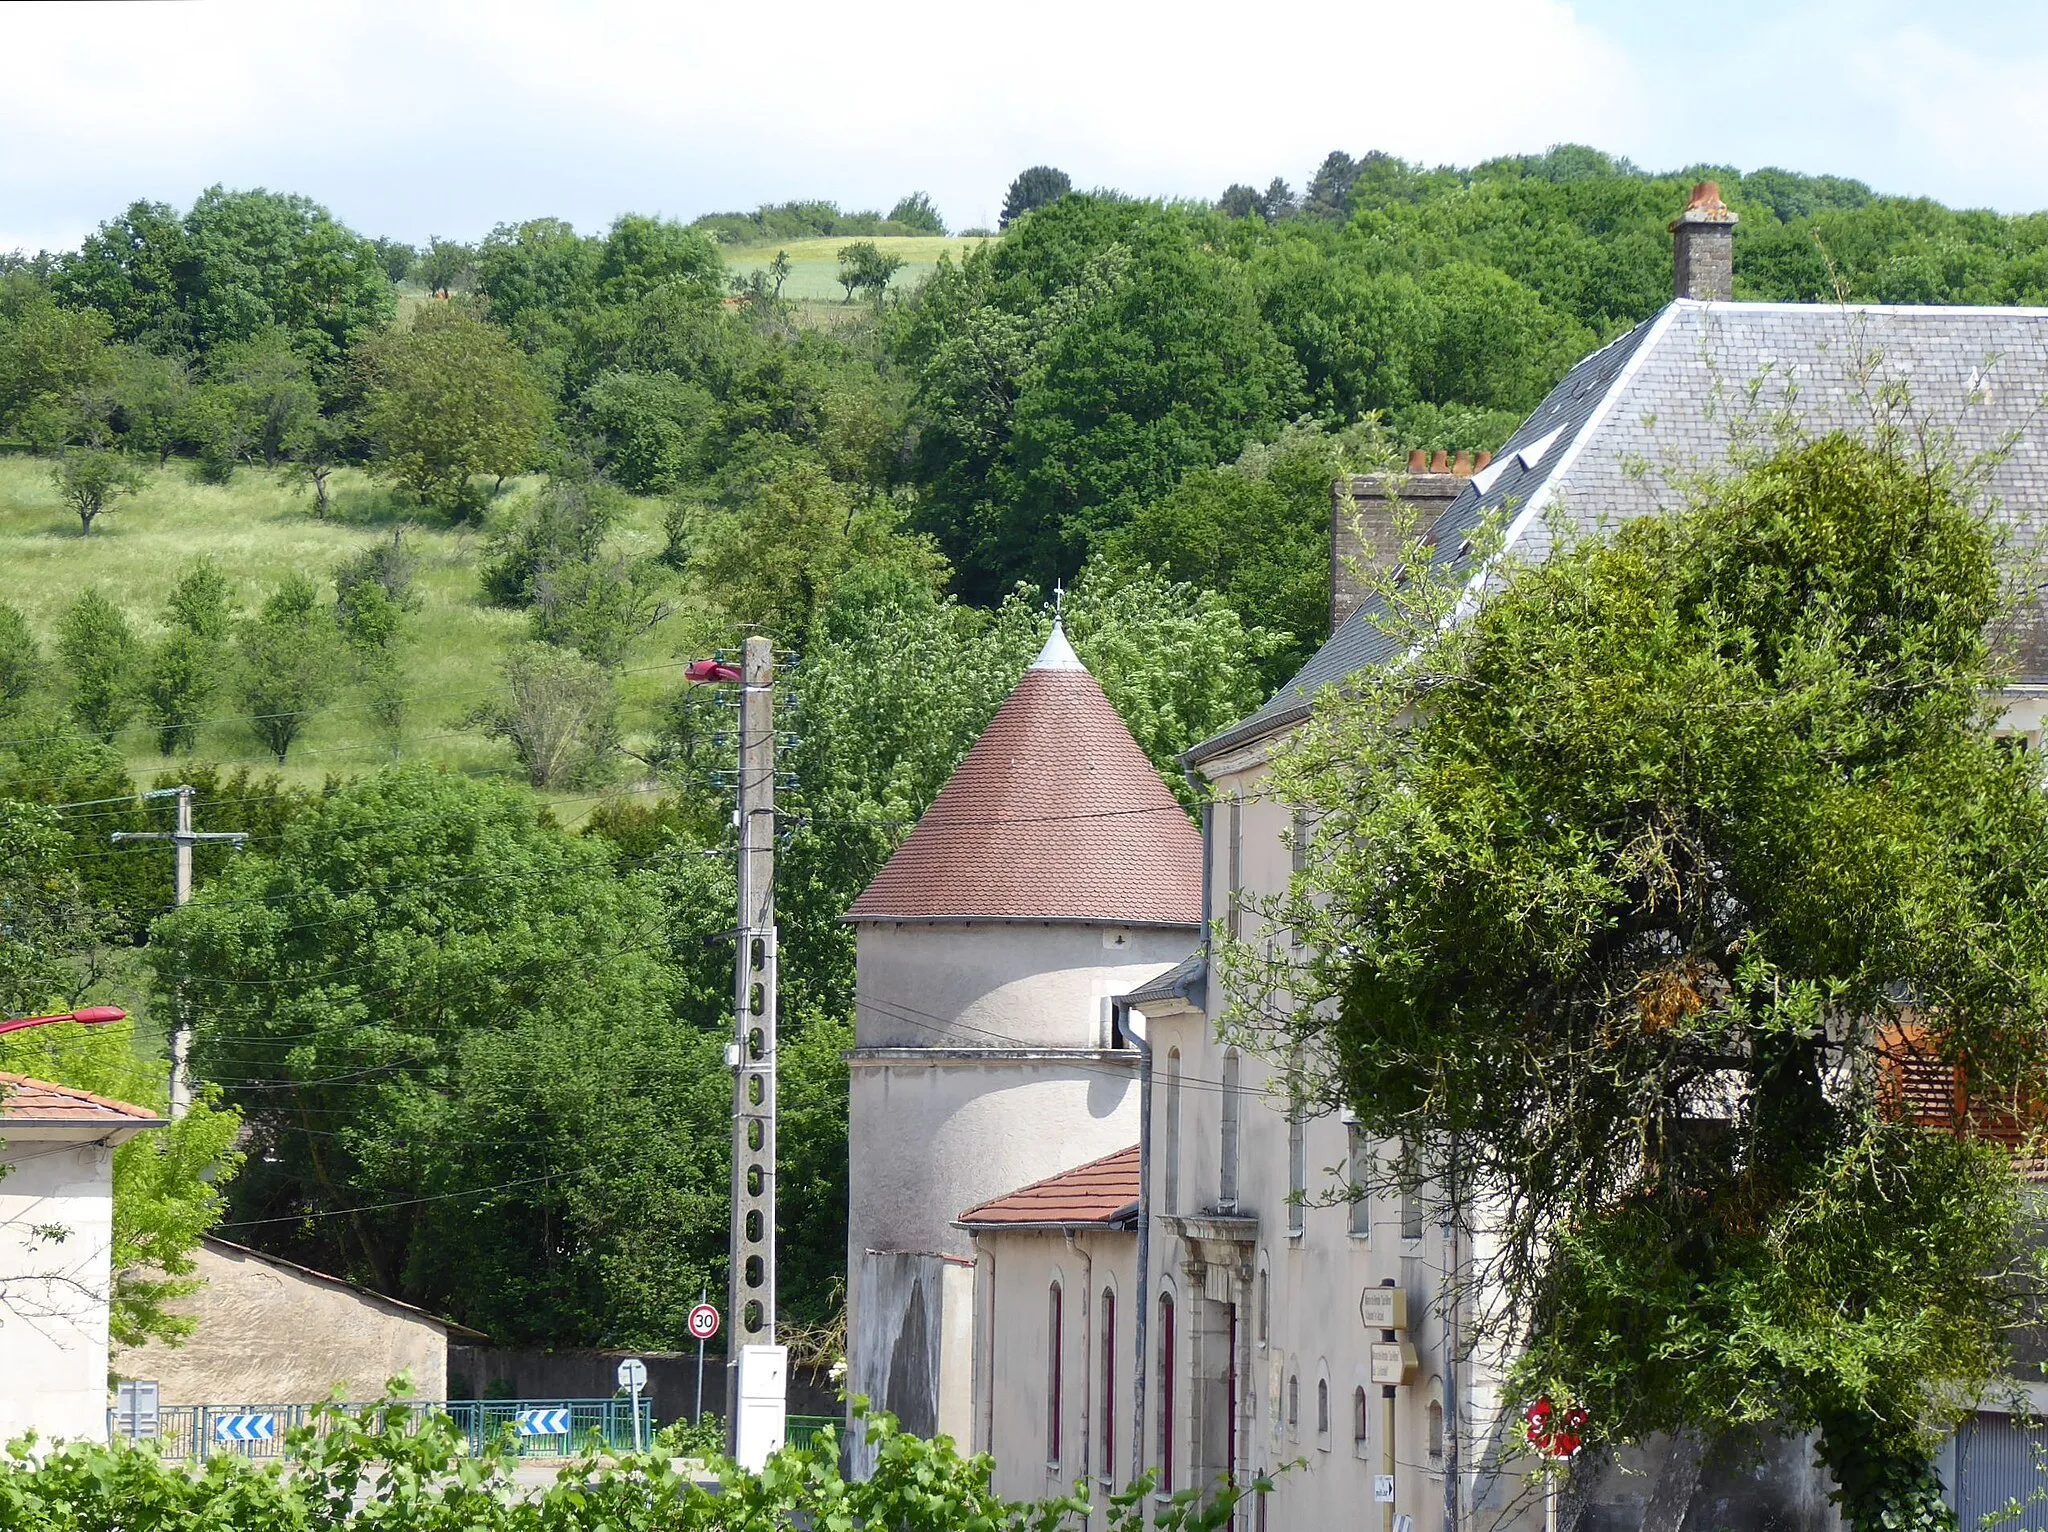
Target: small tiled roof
x,y
1055,814
1187,982
26,1101
1103,1191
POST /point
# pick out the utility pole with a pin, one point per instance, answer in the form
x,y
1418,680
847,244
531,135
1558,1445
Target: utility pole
x,y
183,838
751,1305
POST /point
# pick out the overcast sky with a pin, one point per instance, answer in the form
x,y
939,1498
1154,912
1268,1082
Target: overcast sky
x,y
434,117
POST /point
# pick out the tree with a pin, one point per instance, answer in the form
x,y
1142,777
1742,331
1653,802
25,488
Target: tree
x,y
770,563
449,399
599,606
52,361
469,992
1628,900
186,668
316,450
98,650
446,266
560,715
864,268
167,1184
1034,188
287,663
396,257
1329,189
565,521
373,596
21,660
916,211
271,388
92,478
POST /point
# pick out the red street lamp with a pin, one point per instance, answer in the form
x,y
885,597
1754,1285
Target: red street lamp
x,y
89,1016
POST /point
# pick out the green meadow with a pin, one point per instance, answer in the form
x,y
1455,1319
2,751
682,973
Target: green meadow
x,y
257,528
814,263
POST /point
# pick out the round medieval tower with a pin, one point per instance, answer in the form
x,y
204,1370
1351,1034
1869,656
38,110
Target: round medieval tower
x,y
1054,871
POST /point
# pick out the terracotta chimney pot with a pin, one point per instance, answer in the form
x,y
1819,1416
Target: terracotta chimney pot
x,y
1441,463
1463,467
1418,461
1485,457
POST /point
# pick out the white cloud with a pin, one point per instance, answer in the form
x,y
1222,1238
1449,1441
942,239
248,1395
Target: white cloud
x,y
439,116
443,117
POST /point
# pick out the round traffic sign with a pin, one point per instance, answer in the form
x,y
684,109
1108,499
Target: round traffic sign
x,y
703,1321
632,1374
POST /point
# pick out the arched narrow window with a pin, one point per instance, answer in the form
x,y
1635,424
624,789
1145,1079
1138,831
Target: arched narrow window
x,y
1359,1173
1173,1130
1361,1418
1265,1305
1108,1471
1436,1431
1411,1196
1055,1346
1166,1422
1323,1409
1293,1401
1227,1191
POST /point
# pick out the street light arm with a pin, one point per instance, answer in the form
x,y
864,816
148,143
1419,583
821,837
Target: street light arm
x,y
89,1016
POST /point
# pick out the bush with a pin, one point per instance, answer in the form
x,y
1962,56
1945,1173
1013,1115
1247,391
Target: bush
x,y
396,1469
560,716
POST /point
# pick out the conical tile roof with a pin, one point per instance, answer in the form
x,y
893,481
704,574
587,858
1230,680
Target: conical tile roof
x,y
1056,814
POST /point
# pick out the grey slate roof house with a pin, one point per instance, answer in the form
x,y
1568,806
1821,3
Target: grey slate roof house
x,y
1691,392
1687,390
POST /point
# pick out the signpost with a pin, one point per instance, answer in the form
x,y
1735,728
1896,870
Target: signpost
x,y
703,1325
633,1378
245,1428
542,1422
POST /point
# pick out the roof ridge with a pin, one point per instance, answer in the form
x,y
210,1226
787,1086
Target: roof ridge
x,y
11,1083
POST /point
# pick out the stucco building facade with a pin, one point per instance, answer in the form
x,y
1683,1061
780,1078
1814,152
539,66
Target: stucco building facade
x,y
56,1254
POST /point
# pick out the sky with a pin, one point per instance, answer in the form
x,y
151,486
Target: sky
x,y
449,116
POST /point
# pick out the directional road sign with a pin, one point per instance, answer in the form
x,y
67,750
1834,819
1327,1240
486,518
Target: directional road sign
x,y
244,1428
547,1422
704,1321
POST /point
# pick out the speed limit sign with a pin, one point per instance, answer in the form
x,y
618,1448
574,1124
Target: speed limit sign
x,y
703,1321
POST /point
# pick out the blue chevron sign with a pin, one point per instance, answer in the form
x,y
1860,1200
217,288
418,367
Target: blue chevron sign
x,y
542,1422
245,1428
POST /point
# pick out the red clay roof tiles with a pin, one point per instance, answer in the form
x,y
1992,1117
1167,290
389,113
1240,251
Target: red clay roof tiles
x,y
1092,1193
23,1100
1055,814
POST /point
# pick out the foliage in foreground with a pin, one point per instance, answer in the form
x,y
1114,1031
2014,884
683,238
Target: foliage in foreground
x,y
417,1480
1694,829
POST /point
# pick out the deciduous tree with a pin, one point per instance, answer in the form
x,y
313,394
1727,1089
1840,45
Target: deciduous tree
x,y
1626,901
99,651
288,663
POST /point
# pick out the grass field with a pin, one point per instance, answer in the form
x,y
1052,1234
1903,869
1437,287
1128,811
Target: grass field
x,y
258,529
814,276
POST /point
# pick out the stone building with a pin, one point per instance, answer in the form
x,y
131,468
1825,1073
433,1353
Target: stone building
x,y
270,1331
1215,1302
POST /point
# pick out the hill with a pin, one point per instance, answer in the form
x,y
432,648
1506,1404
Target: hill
x,y
257,529
814,263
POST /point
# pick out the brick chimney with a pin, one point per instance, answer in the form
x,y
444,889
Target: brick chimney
x,y
1366,505
1703,248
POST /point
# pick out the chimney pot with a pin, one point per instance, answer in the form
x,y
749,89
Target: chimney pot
x,y
1485,457
1441,463
1418,461
1703,247
1463,467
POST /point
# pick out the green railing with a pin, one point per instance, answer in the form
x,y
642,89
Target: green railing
x,y
804,1430
198,1431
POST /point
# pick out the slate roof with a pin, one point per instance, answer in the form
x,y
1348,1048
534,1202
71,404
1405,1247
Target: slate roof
x,y
1186,981
38,1103
1627,427
1055,814
1103,1191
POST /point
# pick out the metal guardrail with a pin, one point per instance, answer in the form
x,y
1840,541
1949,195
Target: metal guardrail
x,y
195,1432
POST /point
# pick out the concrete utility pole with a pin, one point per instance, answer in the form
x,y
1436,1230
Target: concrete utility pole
x,y
751,1305
182,839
